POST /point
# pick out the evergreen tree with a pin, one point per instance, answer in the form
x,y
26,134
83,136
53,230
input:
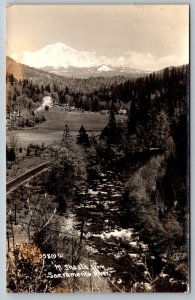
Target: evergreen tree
x,y
14,98
11,79
55,88
42,89
131,122
61,96
111,133
83,138
10,154
66,135
112,119
47,88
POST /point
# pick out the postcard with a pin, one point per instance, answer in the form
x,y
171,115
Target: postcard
x,y
97,149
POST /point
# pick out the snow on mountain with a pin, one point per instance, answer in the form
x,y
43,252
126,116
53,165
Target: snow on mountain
x,y
57,56
104,68
63,60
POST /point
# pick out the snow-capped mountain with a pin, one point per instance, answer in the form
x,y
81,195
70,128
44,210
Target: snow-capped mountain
x,y
57,56
63,60
104,68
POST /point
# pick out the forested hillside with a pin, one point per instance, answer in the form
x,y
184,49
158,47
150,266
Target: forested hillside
x,y
125,192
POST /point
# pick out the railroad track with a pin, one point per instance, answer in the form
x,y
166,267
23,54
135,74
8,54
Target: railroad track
x,y
14,183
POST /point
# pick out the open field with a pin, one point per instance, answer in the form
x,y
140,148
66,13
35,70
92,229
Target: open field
x,y
52,130
57,117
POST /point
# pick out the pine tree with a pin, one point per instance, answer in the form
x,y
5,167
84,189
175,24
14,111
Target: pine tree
x,y
112,119
111,133
47,88
66,135
55,88
83,138
12,79
131,122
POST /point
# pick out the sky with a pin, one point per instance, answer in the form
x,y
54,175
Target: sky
x,y
148,37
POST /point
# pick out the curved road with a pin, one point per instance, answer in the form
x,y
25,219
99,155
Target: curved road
x,y
14,183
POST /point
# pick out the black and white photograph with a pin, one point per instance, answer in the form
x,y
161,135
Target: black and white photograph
x,y
97,148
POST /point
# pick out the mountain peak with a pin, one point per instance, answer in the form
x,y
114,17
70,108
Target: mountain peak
x,y
56,55
61,59
104,68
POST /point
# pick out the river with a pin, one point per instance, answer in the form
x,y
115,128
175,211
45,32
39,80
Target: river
x,y
101,221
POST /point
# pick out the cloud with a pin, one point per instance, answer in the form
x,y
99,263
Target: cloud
x,y
145,61
130,59
173,60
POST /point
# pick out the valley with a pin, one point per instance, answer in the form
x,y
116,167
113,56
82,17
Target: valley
x,y
108,199
52,129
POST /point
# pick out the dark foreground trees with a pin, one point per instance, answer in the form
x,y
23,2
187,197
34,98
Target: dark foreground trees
x,y
83,138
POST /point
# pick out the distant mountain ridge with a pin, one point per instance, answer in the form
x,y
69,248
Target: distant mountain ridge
x,y
21,71
102,70
37,76
63,60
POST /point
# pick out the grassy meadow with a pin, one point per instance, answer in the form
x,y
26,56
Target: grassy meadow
x,y
52,130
